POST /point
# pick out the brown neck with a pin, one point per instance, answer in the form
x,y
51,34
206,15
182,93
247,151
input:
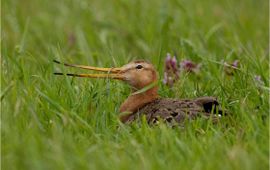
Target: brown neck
x,y
135,102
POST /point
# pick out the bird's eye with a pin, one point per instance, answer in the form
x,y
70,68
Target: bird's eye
x,y
139,67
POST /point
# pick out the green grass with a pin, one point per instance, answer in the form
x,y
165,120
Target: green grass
x,y
52,122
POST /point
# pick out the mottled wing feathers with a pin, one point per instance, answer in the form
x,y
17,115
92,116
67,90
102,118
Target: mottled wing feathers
x,y
174,110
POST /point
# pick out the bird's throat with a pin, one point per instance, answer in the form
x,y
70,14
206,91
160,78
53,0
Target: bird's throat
x,y
134,102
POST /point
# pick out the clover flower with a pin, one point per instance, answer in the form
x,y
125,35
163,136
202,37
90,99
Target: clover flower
x,y
189,66
171,73
231,67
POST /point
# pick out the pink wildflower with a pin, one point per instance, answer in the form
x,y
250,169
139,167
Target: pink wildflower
x,y
171,74
189,66
230,68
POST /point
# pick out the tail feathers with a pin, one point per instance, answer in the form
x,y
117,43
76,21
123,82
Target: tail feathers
x,y
210,104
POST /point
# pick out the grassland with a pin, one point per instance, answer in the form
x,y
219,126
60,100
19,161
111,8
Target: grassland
x,y
50,122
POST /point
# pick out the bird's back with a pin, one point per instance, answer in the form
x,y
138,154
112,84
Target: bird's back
x,y
175,110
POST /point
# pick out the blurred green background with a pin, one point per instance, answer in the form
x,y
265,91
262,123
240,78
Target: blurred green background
x,y
48,123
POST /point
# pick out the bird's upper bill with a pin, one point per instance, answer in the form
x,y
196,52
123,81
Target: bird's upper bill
x,y
138,73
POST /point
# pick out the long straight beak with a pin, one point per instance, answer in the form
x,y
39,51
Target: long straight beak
x,y
114,73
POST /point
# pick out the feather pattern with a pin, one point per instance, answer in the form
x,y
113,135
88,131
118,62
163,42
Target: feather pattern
x,y
175,110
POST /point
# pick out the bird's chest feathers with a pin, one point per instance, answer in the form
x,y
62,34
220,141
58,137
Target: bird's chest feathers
x,y
134,102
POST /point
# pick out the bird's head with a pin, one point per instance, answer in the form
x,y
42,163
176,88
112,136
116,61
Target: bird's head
x,y
138,74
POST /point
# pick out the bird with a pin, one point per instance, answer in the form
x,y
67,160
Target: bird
x,y
144,100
